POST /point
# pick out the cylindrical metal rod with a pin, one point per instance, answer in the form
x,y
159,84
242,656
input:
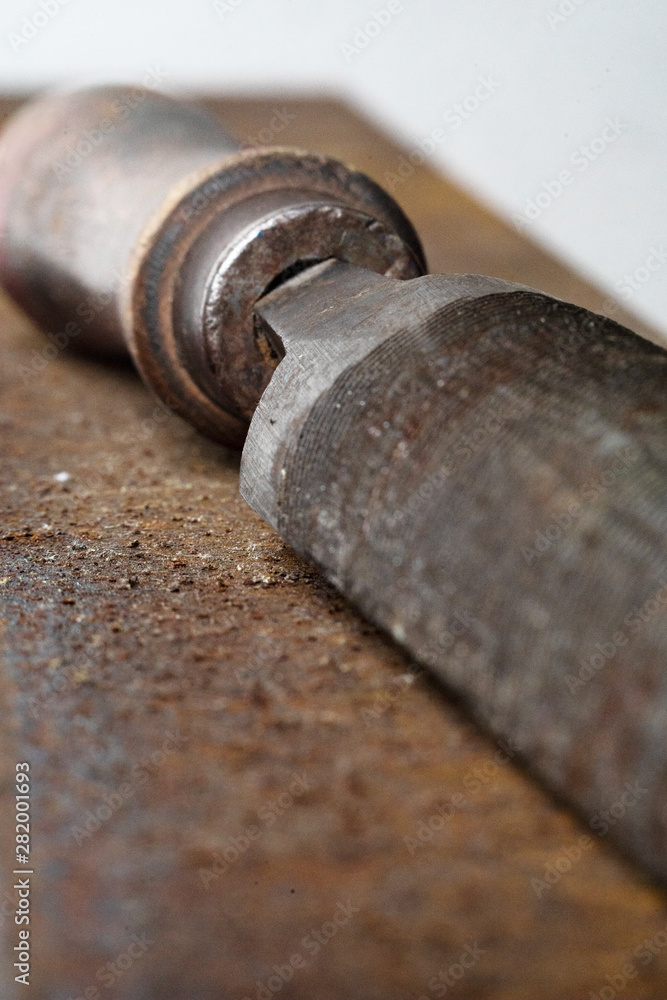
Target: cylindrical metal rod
x,y
129,219
482,470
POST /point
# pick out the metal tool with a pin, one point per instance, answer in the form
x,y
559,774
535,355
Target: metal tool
x,y
480,468
136,220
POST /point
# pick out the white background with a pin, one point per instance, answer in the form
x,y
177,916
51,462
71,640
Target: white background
x,y
557,71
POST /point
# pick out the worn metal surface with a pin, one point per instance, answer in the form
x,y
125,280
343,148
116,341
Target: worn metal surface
x,y
131,218
261,671
483,471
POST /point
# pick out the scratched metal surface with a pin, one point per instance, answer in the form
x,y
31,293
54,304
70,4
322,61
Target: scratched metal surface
x,y
263,752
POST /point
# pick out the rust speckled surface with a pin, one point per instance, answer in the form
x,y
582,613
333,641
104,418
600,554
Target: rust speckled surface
x,y
226,760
